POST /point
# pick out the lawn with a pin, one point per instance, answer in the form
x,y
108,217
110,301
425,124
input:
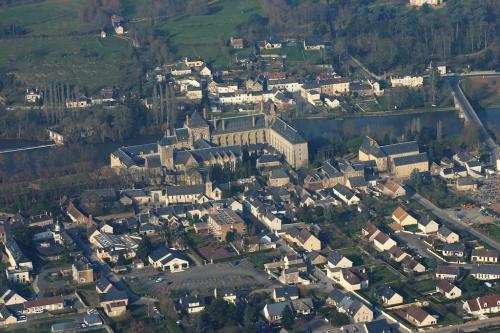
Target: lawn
x,y
381,276
448,314
491,229
424,286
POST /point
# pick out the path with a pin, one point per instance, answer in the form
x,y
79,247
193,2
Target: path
x,y
7,151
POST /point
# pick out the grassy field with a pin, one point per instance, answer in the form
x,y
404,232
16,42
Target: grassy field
x,y
206,35
72,52
46,17
79,60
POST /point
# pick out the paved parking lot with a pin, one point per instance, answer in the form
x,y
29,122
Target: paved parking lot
x,y
472,216
201,278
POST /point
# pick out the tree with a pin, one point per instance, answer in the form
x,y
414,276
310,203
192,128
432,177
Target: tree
x,y
144,249
288,317
221,312
230,236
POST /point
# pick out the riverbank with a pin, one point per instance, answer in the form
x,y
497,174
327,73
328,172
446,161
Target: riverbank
x,y
342,115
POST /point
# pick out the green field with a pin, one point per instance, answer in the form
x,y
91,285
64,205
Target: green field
x,y
58,47
85,61
46,17
206,35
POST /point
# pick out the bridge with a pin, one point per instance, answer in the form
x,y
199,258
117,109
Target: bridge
x,y
468,112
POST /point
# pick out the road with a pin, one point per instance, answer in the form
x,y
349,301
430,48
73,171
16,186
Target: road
x,y
101,265
25,149
472,117
475,326
450,220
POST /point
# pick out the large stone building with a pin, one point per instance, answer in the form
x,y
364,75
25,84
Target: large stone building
x,y
399,159
201,144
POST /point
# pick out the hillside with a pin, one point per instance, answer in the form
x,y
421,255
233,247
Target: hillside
x,y
47,41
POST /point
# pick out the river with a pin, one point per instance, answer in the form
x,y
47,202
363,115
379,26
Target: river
x,y
394,125
313,129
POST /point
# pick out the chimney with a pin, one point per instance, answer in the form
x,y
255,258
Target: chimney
x,y
223,124
253,121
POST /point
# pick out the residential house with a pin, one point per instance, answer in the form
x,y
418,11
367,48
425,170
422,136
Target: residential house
x,y
484,256
271,221
418,317
403,218
114,302
448,289
228,294
193,62
285,293
40,305
348,304
370,231
303,238
447,236
345,195
274,312
103,286
168,259
391,189
427,226
82,271
191,304
485,272
407,81
447,272
397,254
453,250
6,316
409,264
236,43
313,44
389,296
19,275
315,258
303,306
383,242
420,3
10,297
337,260
479,306
351,279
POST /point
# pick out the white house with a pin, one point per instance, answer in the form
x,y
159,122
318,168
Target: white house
x,y
168,259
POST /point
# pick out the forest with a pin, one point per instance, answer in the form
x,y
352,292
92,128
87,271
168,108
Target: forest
x,y
393,37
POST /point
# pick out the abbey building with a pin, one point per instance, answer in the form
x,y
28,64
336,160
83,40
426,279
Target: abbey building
x,y
203,143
